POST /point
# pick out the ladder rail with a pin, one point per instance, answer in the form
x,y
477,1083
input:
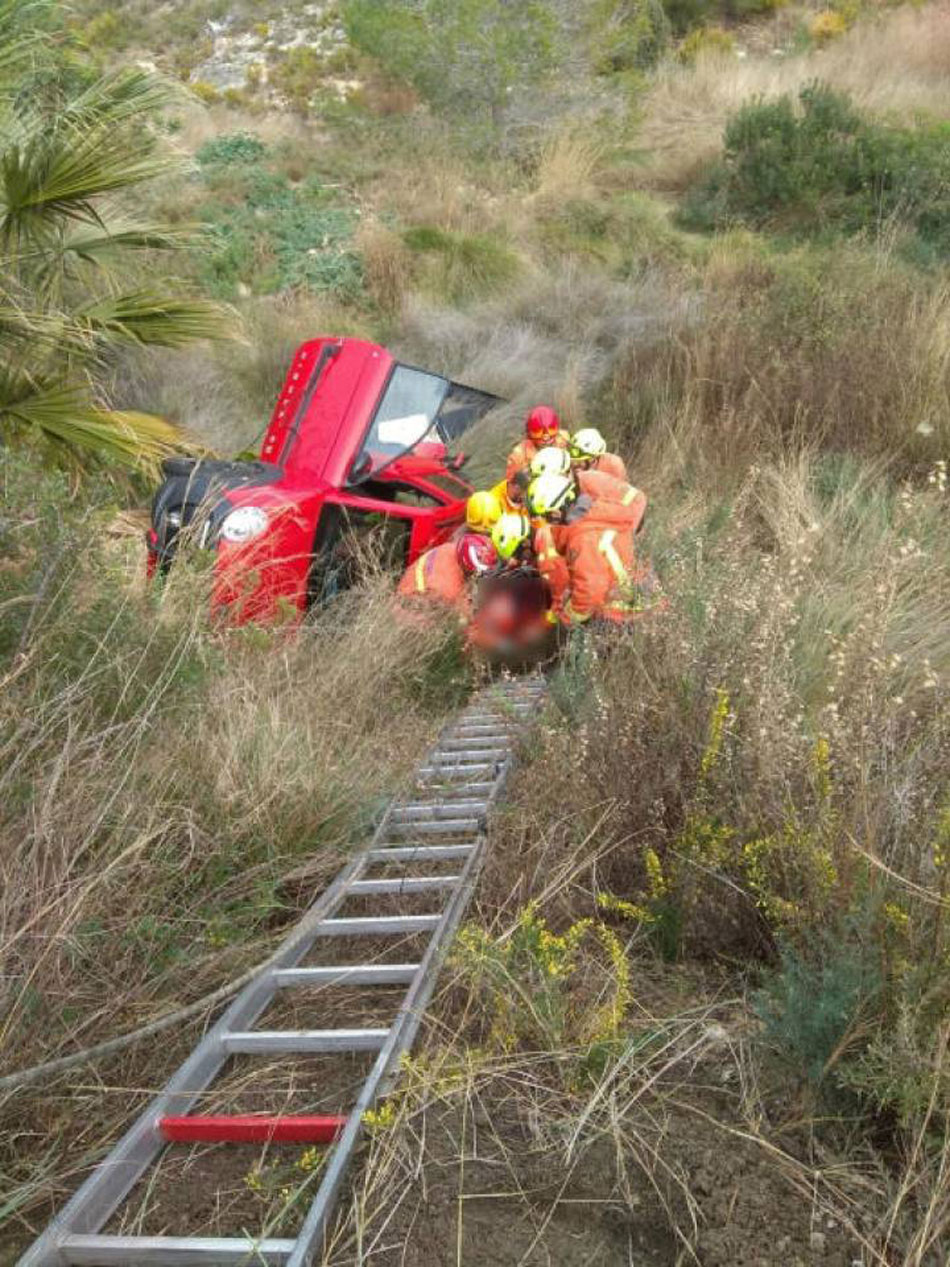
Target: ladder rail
x,y
402,1034
75,1229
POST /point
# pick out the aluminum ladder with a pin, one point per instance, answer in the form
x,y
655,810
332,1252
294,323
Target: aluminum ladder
x,y
441,819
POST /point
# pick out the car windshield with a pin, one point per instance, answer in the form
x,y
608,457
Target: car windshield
x,y
404,417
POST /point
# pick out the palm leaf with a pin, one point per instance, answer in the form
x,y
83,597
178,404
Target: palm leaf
x,y
31,333
148,317
119,97
19,35
46,182
65,414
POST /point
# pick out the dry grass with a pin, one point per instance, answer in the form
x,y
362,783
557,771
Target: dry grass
x,y
897,65
568,166
171,797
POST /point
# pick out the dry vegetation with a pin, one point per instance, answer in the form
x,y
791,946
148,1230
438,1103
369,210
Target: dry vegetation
x,y
895,65
741,812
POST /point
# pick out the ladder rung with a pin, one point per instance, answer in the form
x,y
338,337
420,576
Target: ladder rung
x,y
419,853
408,884
248,1128
489,732
456,767
437,827
461,791
171,1251
378,924
348,974
305,1040
406,813
477,747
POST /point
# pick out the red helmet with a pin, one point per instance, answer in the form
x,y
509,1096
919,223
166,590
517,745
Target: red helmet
x,y
542,424
476,554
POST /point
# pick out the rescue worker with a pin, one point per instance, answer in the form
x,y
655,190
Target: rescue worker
x,y
596,573
597,484
510,494
542,429
482,511
441,576
588,450
510,536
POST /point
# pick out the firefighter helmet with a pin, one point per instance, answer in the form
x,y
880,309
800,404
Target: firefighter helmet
x,y
476,554
550,494
482,510
509,533
542,424
551,461
587,445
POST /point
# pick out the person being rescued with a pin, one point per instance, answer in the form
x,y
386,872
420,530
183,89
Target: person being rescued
x,y
513,600
586,551
543,430
444,577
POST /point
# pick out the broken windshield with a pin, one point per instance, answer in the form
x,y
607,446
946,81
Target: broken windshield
x,y
404,417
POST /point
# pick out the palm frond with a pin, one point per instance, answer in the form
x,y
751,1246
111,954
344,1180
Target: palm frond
x,y
52,180
65,414
29,334
20,36
92,244
121,96
149,317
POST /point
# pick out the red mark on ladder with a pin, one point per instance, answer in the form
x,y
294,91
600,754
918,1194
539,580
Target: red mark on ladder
x,y
251,1129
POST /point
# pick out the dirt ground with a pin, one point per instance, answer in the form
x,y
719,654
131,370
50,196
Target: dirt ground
x,y
486,1184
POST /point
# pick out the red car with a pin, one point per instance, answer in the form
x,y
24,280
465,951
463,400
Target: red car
x,y
357,439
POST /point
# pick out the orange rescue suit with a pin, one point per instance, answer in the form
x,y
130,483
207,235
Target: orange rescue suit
x,y
596,543
524,453
437,577
619,510
610,464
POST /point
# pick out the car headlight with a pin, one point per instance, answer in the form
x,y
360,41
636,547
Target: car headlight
x,y
244,524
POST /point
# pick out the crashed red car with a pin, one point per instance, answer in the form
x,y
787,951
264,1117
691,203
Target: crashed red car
x,y
357,440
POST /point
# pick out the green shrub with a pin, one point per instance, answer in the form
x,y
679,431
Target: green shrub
x,y
627,35
683,15
233,147
297,76
461,265
825,166
814,1005
270,234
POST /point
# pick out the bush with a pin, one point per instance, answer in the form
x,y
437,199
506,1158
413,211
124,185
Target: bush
x,y
822,166
460,266
816,1005
271,234
705,40
233,147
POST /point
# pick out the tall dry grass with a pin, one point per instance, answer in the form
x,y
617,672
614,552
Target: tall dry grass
x,y
896,65
171,796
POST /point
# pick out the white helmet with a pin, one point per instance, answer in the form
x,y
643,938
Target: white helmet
x,y
587,445
551,461
550,494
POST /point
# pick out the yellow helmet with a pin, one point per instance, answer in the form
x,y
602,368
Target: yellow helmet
x,y
587,444
482,510
548,494
509,533
551,461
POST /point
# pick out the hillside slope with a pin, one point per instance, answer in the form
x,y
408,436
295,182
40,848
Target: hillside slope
x,y
700,1012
